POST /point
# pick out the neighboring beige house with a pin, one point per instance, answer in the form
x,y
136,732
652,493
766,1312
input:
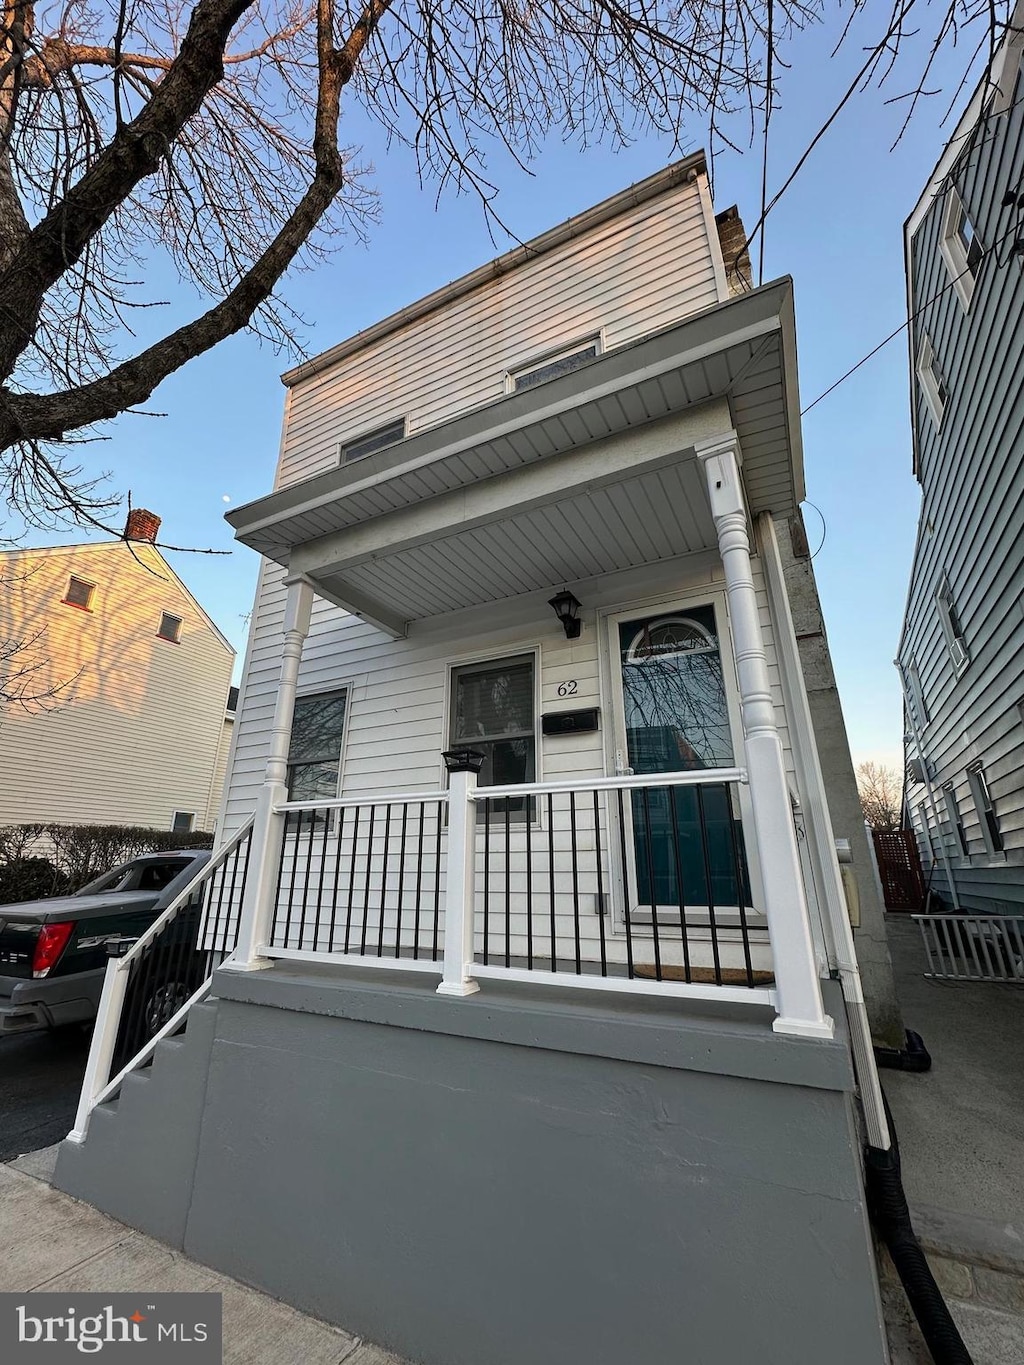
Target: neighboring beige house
x,y
138,726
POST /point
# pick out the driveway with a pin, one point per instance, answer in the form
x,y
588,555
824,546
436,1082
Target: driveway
x,y
40,1076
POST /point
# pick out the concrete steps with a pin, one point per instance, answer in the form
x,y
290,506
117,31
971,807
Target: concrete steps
x,y
116,1168
979,1266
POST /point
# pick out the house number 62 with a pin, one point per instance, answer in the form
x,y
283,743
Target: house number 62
x,y
568,689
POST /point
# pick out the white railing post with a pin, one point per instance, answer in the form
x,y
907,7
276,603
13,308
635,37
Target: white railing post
x,y
104,1041
256,916
460,894
800,1007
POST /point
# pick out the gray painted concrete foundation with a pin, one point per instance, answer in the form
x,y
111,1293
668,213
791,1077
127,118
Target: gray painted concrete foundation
x,y
522,1176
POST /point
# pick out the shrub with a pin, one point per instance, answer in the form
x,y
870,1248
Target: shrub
x,y
75,854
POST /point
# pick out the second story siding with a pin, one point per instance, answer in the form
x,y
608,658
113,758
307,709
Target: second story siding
x,y
654,260
964,629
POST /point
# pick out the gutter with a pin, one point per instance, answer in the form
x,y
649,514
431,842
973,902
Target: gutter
x,y
680,173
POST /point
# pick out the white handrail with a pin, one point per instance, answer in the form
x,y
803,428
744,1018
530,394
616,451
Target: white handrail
x,y
368,799
700,777
96,1085
207,869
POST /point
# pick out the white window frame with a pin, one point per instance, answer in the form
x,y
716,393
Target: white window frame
x,y
191,821
79,606
952,627
956,820
464,665
954,253
929,379
985,807
551,357
307,694
914,692
369,434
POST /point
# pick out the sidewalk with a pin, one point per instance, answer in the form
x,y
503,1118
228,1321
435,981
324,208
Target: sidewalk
x,y
961,1135
49,1241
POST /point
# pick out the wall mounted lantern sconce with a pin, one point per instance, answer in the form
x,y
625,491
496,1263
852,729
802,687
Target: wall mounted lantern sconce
x,y
567,609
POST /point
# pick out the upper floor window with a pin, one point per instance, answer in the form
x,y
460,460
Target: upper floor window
x,y
956,823
314,750
373,440
915,694
170,628
933,385
983,804
555,364
952,628
961,247
493,711
79,593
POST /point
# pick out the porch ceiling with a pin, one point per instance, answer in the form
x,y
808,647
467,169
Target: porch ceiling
x,y
584,475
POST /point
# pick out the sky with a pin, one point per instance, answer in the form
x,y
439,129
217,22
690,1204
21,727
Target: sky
x,y
837,231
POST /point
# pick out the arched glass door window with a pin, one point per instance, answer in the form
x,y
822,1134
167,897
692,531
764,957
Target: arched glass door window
x,y
688,844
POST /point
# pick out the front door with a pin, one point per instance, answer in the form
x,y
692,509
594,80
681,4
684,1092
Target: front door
x,y
684,848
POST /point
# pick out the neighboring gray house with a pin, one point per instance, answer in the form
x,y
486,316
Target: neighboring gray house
x,y
542,1037
961,652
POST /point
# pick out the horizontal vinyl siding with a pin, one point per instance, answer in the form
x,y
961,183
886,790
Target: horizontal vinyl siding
x,y
972,526
396,724
642,271
135,734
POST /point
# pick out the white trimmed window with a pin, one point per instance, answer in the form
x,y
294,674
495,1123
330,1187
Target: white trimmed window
x,y
956,823
371,441
554,364
183,821
492,710
984,805
314,750
79,593
930,377
952,629
961,247
914,693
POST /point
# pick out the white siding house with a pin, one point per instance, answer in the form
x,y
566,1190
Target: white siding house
x,y
535,1028
137,676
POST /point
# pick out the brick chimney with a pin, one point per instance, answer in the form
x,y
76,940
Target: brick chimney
x,y
141,525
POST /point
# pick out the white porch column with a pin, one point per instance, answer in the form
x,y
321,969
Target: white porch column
x,y
257,911
796,977
460,887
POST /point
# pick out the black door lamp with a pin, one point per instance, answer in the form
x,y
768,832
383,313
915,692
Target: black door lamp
x,y
567,609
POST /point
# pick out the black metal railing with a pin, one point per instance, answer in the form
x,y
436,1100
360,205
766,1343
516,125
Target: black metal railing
x,y
183,953
363,879
622,880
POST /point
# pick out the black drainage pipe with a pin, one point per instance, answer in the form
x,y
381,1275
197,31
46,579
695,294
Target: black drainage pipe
x,y
914,1057
887,1207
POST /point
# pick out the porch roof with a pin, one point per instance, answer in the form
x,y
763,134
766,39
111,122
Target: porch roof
x,y
579,476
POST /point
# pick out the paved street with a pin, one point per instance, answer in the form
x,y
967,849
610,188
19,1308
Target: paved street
x,y
40,1074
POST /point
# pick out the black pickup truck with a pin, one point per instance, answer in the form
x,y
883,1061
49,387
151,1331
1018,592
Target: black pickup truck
x,y
53,952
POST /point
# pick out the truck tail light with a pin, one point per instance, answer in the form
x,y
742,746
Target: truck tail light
x,y
52,940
